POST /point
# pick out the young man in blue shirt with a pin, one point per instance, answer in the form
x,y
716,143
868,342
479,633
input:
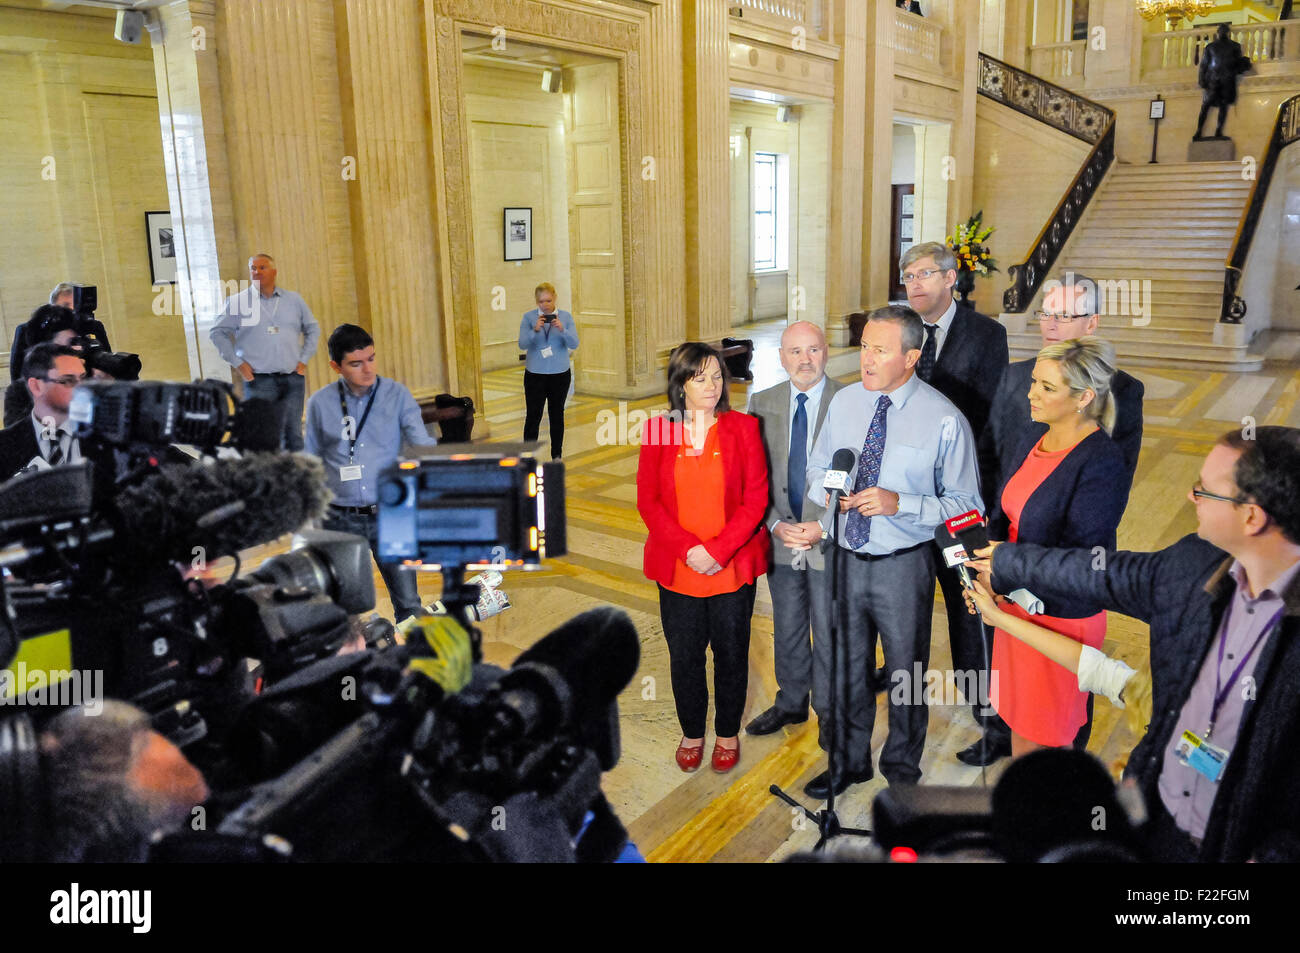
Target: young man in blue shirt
x,y
358,426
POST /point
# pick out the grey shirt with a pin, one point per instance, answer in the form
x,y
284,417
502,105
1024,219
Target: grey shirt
x,y
394,420
274,333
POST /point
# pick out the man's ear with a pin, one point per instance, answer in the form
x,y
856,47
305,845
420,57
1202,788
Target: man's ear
x,y
35,387
911,357
334,366
1258,520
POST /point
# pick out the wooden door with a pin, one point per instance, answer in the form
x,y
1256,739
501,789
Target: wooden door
x,y
596,226
901,236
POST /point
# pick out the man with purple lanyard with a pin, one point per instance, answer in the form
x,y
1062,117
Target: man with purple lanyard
x,y
1218,763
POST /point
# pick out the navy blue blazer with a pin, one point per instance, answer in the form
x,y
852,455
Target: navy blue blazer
x,y
1009,422
1182,592
1077,506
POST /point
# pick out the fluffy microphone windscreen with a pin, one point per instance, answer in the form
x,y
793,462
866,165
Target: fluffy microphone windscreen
x,y
267,494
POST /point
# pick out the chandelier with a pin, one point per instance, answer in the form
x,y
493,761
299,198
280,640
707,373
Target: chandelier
x,y
1174,10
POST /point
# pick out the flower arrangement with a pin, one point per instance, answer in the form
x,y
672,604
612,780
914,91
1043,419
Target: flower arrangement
x,y
969,246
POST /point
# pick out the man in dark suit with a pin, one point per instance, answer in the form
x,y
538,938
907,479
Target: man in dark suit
x,y
52,373
963,357
790,416
1070,310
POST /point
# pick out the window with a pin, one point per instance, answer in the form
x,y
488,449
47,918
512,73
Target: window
x,y
771,203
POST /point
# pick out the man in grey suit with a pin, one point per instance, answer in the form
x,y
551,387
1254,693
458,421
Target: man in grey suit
x,y
790,416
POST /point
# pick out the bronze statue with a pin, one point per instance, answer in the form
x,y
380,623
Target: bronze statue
x,y
1221,62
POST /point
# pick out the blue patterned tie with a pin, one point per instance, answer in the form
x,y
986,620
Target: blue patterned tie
x,y
857,529
796,468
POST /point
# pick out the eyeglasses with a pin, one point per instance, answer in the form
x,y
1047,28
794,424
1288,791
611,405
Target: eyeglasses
x,y
67,380
912,276
1047,317
1201,493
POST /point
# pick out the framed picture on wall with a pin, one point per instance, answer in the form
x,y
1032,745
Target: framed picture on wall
x,y
162,247
519,234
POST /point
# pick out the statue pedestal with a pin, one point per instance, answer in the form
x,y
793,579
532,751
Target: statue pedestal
x,y
1212,150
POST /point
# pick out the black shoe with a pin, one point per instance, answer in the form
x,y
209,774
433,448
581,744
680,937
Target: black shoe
x,y
879,680
819,788
977,755
772,719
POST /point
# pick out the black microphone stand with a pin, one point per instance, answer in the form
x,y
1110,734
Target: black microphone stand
x,y
828,822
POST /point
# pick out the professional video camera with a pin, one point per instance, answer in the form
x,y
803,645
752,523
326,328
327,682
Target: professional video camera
x,y
91,336
431,758
94,570
417,753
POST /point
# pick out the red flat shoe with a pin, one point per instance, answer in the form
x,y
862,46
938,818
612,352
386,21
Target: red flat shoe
x,y
724,759
688,759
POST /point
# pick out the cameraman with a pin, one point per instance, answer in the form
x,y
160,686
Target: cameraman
x,y
113,784
67,297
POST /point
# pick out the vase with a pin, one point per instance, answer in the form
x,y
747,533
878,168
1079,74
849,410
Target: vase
x,y
965,285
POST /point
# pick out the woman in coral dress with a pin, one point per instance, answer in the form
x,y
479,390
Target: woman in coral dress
x,y
1065,493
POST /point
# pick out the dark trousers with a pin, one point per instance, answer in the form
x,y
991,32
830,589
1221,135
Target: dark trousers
x,y
287,392
1166,842
792,624
894,596
552,390
402,587
692,624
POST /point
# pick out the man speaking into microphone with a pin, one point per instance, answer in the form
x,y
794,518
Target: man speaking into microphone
x,y
915,467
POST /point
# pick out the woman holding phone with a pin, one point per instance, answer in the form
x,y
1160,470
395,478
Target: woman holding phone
x,y
548,336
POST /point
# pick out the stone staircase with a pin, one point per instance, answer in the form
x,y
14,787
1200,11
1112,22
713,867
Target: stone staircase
x,y
1161,233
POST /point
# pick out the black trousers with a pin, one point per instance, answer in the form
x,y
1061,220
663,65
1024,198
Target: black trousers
x,y
552,389
692,624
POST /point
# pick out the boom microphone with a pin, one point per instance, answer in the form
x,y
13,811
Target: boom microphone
x,y
221,507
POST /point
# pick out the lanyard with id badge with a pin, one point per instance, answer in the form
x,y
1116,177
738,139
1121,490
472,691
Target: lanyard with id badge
x,y
352,470
1196,751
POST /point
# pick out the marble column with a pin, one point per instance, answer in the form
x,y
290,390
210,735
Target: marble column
x,y
844,266
878,256
965,33
384,93
183,37
706,104
665,193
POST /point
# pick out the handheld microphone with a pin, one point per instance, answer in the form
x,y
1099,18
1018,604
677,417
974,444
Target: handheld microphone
x,y
971,529
958,538
838,482
954,553
839,477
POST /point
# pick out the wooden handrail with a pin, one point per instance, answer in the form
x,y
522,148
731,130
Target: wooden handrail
x,y
1286,130
1071,113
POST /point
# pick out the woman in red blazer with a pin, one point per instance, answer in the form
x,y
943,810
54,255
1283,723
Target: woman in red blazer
x,y
701,488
